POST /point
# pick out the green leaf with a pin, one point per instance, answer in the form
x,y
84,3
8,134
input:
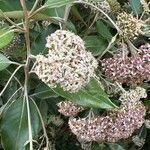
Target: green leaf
x,y
14,5
96,146
42,91
6,37
115,147
54,12
107,147
147,30
136,6
39,41
95,44
71,27
147,102
14,125
92,95
4,62
103,30
57,3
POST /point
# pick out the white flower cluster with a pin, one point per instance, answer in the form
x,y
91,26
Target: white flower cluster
x,y
130,26
145,6
67,64
133,95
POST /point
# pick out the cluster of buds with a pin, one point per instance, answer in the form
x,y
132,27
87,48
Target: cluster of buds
x,y
138,141
147,123
67,64
114,5
68,108
129,26
129,70
118,124
145,6
103,5
46,23
3,23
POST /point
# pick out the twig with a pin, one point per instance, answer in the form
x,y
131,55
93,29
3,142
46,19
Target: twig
x,y
82,2
26,69
10,21
10,99
15,78
109,45
121,88
10,80
42,122
67,11
34,7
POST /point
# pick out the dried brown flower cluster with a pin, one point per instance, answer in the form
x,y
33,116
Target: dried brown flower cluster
x,y
68,108
130,26
129,70
118,124
67,64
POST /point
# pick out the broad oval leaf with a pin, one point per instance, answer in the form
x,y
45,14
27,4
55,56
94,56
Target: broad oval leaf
x,y
95,44
6,37
57,3
4,62
14,125
136,6
107,146
42,91
103,30
92,95
115,147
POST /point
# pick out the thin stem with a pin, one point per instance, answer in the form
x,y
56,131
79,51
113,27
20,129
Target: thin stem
x,y
67,11
26,69
15,78
26,26
121,88
15,63
81,2
10,80
36,11
29,119
133,49
4,106
144,12
109,45
42,122
95,18
34,6
10,21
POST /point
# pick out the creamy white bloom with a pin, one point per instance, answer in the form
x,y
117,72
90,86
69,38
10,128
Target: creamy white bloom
x,y
67,64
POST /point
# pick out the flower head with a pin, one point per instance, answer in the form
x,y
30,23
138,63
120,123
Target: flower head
x,y
67,64
118,124
130,26
68,108
129,69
